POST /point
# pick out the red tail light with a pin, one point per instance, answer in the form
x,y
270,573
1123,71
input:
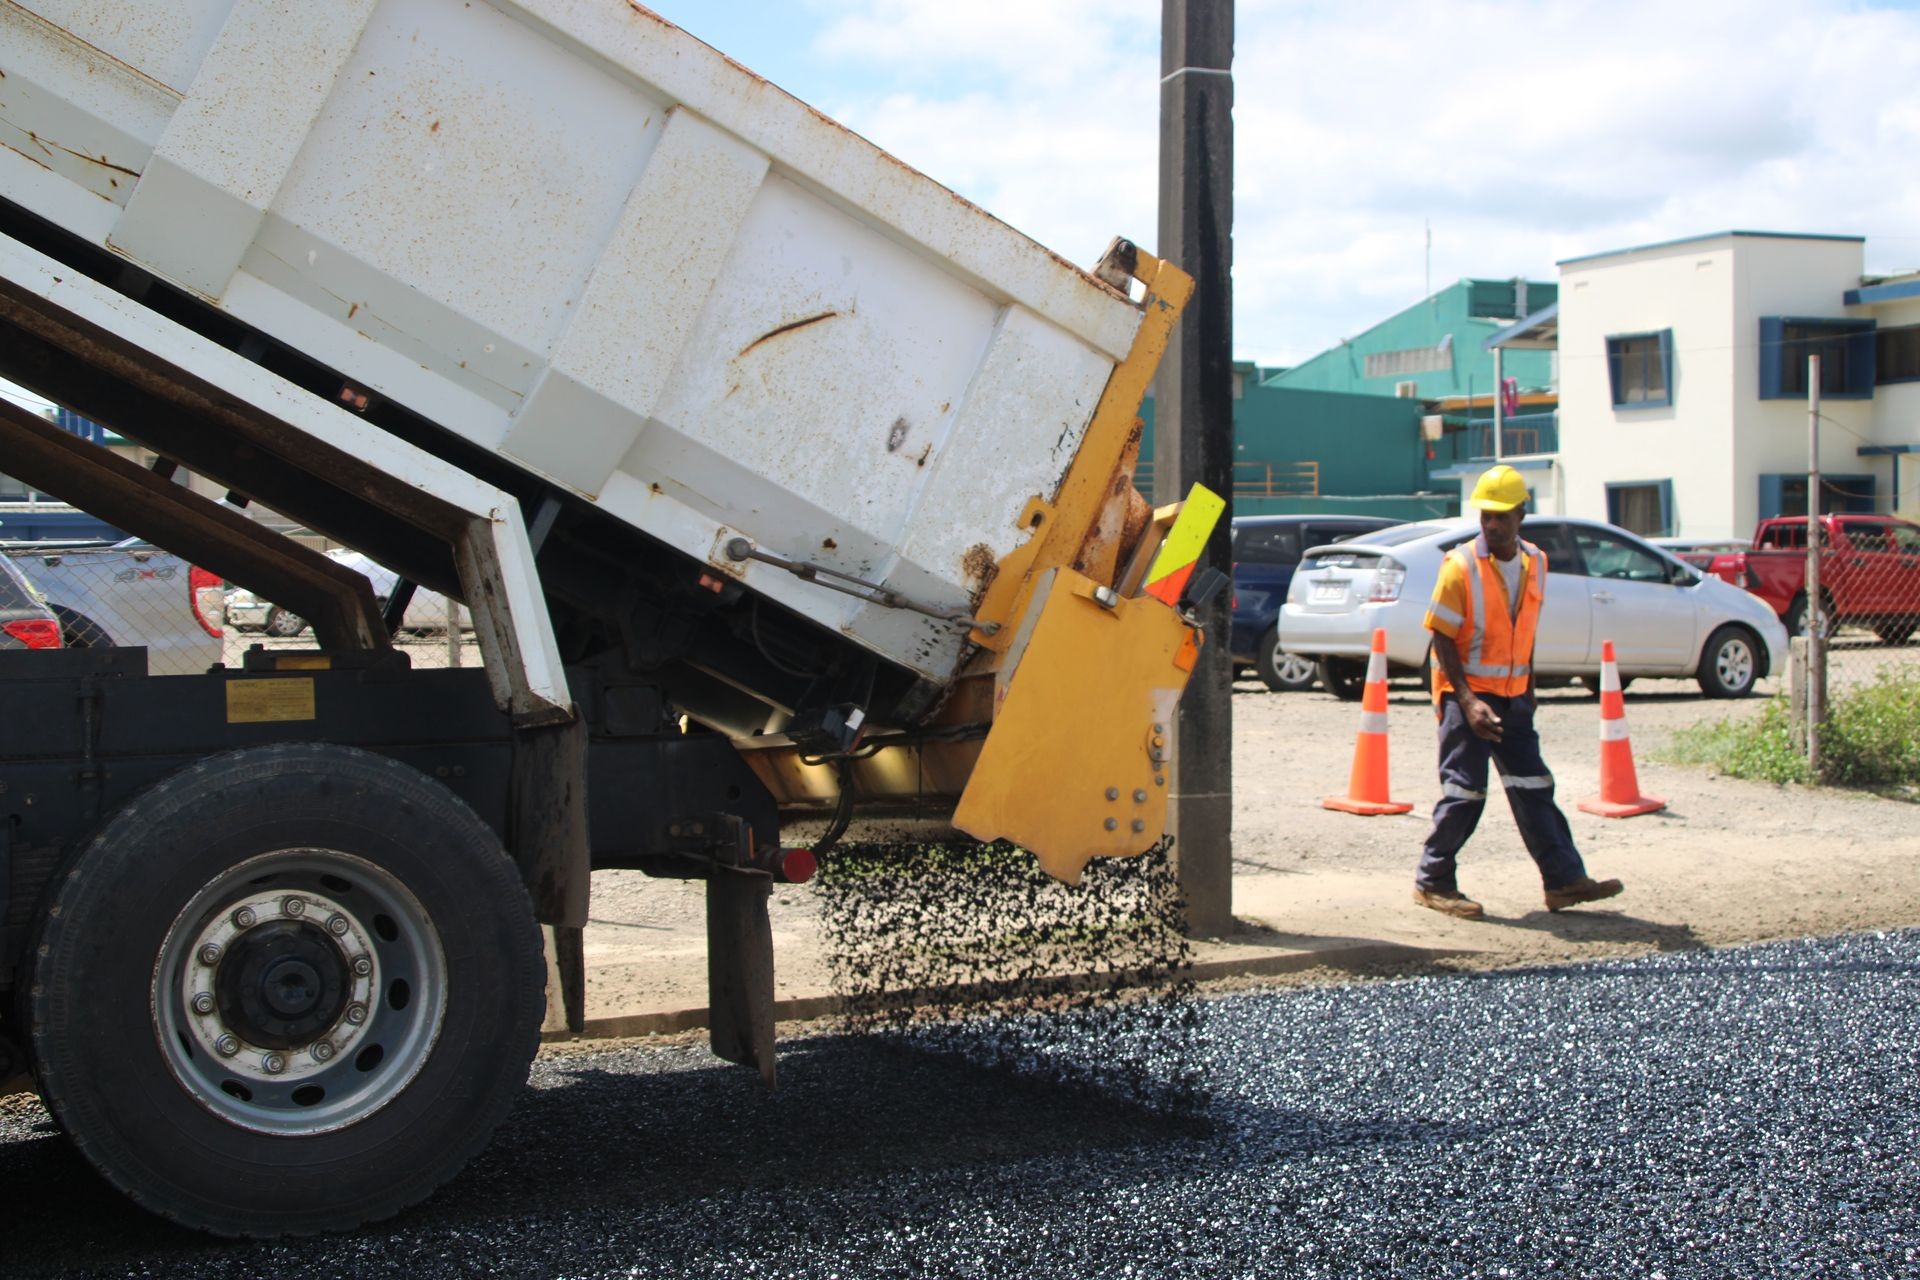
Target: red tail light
x,y
37,633
207,594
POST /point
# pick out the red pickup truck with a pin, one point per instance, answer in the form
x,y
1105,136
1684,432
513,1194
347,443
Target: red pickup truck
x,y
1869,572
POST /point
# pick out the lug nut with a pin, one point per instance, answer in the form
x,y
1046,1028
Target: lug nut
x,y
1113,793
273,1064
1139,826
203,1003
1140,795
1113,824
226,1046
356,1014
362,966
244,918
337,926
293,906
210,954
322,1051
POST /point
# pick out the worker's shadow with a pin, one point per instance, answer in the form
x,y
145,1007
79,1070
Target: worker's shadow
x,y
1602,925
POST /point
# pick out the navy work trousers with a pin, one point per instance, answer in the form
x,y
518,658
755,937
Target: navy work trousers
x,y
1463,794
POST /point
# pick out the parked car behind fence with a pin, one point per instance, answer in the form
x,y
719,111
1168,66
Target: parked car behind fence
x,y
25,620
127,594
1666,618
426,611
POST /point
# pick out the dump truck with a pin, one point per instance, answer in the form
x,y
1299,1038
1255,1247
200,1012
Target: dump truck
x,y
787,490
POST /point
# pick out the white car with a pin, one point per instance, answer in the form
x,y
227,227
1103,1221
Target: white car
x,y
1665,617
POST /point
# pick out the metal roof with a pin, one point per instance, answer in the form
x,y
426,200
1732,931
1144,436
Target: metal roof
x,y
1538,332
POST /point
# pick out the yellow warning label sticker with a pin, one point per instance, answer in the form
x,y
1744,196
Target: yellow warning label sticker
x,y
302,662
265,701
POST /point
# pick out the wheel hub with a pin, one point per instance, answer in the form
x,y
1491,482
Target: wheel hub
x,y
282,983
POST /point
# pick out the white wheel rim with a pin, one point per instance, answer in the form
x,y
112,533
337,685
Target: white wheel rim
x,y
377,975
1734,664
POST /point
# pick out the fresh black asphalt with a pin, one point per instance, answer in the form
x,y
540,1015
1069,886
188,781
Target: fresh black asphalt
x,y
1739,1113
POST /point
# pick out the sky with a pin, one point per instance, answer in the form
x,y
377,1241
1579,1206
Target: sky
x,y
1519,133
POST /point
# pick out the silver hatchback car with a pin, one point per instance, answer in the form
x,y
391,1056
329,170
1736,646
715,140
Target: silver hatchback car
x,y
1665,617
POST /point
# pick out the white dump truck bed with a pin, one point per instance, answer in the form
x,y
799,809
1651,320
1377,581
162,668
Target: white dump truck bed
x,y
731,316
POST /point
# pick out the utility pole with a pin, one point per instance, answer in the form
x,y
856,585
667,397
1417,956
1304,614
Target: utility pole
x,y
1816,612
1193,423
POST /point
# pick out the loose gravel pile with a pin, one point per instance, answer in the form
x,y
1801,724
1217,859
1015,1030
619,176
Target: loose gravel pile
x,y
1745,1113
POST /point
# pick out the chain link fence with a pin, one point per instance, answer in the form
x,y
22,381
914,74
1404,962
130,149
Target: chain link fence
x,y
1853,619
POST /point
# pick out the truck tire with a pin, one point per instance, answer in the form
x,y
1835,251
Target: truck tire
x,y
1344,678
1894,631
1730,664
289,989
1283,672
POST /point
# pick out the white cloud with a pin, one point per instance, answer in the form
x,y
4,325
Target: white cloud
x,y
1525,132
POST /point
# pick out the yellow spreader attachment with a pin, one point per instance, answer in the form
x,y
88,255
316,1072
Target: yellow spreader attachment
x,y
1075,766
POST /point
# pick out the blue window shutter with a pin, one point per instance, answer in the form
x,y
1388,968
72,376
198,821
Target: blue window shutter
x,y
1773,333
1613,371
1861,349
1772,497
1666,502
1666,366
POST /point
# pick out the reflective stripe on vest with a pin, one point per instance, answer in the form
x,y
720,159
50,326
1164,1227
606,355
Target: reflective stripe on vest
x,y
1492,636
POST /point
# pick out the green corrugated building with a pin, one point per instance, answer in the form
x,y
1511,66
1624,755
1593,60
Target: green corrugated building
x,y
1435,345
1342,431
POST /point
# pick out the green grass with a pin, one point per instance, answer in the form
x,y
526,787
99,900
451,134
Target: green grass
x,y
1871,741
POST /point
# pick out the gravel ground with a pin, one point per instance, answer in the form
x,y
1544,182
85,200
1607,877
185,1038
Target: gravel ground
x,y
1747,1112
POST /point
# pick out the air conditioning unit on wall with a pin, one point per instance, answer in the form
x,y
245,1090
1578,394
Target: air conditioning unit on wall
x,y
1432,427
1407,390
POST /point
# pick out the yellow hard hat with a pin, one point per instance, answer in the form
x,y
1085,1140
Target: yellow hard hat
x,y
1500,489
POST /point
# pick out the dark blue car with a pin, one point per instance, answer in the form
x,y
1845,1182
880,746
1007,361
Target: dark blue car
x,y
1266,549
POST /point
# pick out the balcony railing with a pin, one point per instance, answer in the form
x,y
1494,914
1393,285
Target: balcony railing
x,y
1256,479
1522,433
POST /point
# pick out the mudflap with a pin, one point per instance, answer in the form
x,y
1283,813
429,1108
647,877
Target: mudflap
x,y
740,968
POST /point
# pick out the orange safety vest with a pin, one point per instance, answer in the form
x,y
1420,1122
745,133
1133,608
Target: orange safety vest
x,y
1495,644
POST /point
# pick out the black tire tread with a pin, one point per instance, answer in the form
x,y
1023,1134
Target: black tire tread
x,y
92,879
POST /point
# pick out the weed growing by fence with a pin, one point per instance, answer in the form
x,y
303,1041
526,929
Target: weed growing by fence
x,y
1871,740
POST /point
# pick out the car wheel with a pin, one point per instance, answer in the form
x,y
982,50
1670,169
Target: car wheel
x,y
1894,633
1796,618
1729,664
282,623
288,989
1344,678
1284,672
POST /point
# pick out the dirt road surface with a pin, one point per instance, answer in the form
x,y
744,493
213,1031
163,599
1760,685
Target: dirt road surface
x,y
1321,895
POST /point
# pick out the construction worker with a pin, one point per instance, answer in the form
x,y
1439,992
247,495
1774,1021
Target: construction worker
x,y
1483,616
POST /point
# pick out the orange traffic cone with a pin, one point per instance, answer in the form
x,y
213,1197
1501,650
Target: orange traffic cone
x,y
1619,786
1367,788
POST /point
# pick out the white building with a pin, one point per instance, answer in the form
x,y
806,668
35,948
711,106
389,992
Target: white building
x,y
1683,383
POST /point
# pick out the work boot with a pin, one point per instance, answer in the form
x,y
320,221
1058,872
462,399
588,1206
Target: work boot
x,y
1585,889
1448,902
